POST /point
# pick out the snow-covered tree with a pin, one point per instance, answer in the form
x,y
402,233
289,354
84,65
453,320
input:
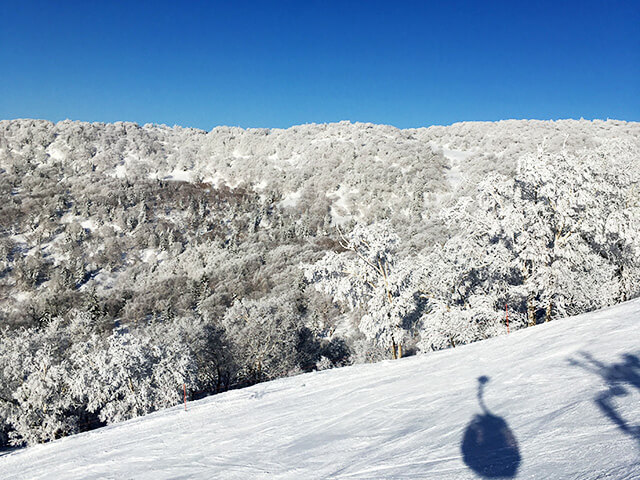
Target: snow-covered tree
x,y
264,334
466,291
368,275
43,407
36,398
555,232
131,374
446,325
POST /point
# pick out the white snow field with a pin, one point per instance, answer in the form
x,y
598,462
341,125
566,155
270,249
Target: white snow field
x,y
562,402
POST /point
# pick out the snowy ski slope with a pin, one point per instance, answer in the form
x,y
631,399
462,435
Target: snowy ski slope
x,y
561,400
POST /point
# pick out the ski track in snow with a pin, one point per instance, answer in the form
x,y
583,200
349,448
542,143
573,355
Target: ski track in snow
x,y
397,419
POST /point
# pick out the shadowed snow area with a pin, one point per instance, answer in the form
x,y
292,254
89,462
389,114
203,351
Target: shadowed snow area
x,y
556,401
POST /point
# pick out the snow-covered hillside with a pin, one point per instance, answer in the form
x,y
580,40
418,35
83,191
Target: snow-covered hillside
x,y
563,396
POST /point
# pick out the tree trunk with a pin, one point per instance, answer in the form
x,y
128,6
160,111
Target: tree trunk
x,y
623,297
218,379
531,311
259,371
400,350
393,350
547,315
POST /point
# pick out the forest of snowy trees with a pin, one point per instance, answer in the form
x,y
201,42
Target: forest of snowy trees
x,y
135,259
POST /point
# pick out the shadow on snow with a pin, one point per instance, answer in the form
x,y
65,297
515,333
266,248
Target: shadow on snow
x,y
618,377
489,447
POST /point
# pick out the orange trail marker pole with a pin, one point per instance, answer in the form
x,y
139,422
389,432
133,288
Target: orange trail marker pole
x,y
184,389
506,309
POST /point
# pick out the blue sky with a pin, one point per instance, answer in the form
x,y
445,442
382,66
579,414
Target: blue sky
x,y
276,64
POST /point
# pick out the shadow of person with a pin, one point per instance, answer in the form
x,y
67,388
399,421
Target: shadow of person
x,y
617,375
489,447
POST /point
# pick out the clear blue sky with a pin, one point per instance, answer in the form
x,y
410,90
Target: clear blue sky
x,y
276,64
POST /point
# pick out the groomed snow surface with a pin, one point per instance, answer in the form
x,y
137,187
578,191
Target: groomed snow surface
x,y
561,401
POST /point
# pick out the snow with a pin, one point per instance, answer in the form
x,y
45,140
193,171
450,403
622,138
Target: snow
x,y
340,212
55,153
395,419
22,296
89,224
258,187
153,255
148,254
290,200
179,176
456,158
217,180
294,159
120,171
237,154
104,279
